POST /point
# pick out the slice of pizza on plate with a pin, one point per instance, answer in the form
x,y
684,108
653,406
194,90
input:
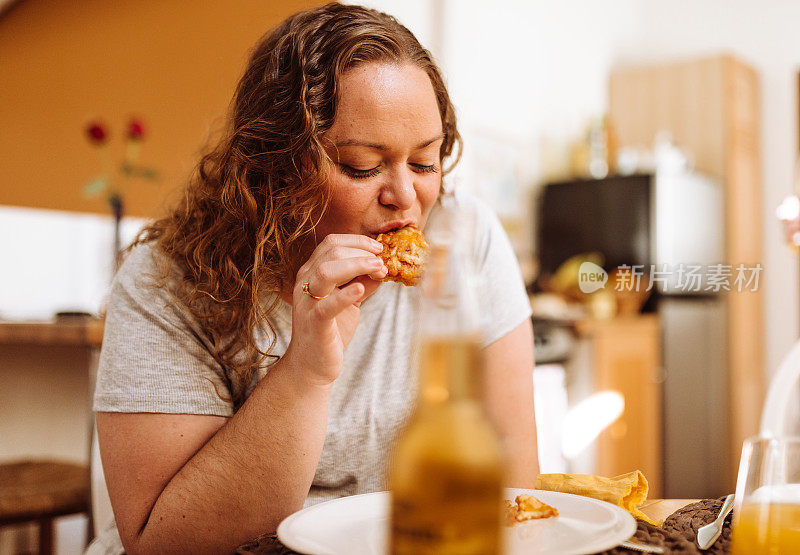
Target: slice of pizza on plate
x,y
527,507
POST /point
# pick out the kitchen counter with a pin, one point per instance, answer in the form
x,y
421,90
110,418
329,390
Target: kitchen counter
x,y
77,332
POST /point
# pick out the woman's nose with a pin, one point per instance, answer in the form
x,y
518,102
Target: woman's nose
x,y
399,192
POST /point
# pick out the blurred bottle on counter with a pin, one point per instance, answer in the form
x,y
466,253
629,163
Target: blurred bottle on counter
x,y
447,469
598,151
595,156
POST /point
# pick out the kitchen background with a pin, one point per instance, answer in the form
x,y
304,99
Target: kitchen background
x,y
529,80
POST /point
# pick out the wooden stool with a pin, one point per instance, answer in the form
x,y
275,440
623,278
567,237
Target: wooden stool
x,y
39,491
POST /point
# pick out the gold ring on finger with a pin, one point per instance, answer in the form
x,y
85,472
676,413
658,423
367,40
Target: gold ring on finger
x,y
307,292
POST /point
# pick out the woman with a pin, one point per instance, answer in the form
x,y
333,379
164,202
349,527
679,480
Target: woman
x,y
251,362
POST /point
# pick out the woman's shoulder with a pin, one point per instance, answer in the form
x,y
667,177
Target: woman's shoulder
x,y
147,277
146,262
481,221
143,258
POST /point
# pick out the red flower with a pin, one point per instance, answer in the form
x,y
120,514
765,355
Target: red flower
x,y
97,132
135,129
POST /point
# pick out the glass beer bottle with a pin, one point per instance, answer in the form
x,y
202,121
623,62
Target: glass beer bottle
x,y
446,473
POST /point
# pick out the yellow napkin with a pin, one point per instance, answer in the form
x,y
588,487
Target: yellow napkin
x,y
627,490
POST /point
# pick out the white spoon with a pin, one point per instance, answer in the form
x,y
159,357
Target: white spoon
x,y
708,534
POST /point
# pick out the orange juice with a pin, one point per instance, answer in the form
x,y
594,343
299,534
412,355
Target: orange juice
x,y
767,529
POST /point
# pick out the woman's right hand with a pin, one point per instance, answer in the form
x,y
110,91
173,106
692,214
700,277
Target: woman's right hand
x,y
343,270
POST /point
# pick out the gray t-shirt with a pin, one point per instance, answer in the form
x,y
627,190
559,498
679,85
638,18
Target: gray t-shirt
x,y
156,358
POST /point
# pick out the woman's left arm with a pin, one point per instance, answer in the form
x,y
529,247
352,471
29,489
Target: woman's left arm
x,y
509,396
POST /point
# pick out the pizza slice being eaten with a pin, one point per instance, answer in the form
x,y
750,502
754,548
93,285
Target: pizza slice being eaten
x,y
403,254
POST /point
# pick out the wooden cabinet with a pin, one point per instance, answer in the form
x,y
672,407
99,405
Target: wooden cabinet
x,y
711,107
625,355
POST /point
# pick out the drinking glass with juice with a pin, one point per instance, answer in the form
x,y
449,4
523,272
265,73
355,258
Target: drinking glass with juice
x,y
767,516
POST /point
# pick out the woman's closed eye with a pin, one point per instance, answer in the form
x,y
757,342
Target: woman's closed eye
x,y
359,174
423,168
356,173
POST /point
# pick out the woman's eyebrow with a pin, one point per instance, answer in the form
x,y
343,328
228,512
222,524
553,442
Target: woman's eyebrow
x,y
377,146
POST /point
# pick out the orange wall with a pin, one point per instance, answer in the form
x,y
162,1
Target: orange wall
x,y
174,63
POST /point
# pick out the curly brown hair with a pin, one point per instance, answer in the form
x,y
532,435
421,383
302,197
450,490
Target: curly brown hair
x,y
248,213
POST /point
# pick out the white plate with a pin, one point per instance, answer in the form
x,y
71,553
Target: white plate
x,y
358,525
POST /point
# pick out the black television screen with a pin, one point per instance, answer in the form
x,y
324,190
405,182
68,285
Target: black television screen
x,y
611,216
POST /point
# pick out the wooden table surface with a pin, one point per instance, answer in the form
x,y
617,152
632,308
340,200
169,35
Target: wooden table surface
x,y
659,509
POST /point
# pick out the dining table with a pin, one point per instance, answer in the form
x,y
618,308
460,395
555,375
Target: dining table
x,y
693,513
